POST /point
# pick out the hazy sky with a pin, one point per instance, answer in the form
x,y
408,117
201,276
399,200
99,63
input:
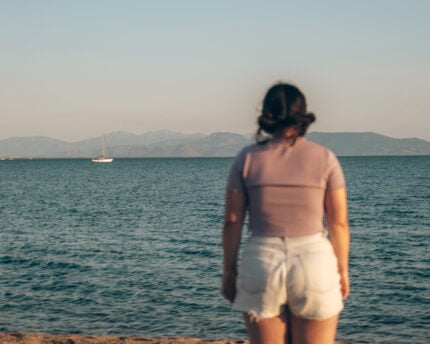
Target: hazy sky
x,y
74,69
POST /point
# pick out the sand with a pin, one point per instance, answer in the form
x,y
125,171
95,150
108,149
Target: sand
x,y
37,338
27,338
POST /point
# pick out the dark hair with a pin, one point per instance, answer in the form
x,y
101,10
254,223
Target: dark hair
x,y
284,106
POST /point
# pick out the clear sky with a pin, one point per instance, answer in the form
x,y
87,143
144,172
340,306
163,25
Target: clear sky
x,y
72,69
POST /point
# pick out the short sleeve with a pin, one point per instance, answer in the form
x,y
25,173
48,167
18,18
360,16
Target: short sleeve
x,y
235,179
335,178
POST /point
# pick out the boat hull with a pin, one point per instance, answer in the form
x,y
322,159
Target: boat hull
x,y
99,160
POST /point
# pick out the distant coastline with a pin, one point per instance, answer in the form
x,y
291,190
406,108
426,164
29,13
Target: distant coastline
x,y
164,144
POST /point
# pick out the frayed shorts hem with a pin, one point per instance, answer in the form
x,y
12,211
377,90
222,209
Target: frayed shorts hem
x,y
255,316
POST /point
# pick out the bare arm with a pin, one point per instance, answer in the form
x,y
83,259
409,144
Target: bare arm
x,y
235,205
337,218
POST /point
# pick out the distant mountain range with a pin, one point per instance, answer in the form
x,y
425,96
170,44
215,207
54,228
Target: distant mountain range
x,y
220,144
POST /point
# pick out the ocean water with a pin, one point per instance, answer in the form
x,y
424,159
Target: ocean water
x,y
133,247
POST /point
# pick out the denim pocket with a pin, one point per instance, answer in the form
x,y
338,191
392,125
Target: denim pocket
x,y
255,269
252,284
320,270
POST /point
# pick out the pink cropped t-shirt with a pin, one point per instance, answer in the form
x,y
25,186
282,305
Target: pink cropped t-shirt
x,y
285,185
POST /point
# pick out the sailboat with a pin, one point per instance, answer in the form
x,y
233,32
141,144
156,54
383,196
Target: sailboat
x,y
102,158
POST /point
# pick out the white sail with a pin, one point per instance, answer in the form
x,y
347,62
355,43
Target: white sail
x,y
102,157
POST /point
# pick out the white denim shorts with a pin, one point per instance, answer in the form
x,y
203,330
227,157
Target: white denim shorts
x,y
300,273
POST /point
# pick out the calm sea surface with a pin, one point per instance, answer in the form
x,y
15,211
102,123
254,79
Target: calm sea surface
x,y
133,247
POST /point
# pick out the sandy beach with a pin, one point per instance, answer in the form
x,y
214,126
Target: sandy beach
x,y
30,338
38,338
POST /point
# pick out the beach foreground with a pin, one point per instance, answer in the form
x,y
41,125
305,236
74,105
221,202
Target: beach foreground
x,y
38,338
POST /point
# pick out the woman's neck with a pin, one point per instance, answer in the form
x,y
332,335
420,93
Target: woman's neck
x,y
289,136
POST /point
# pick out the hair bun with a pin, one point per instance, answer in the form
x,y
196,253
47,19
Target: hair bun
x,y
284,106
269,125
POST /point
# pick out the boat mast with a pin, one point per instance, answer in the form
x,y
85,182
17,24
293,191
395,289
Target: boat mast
x,y
103,146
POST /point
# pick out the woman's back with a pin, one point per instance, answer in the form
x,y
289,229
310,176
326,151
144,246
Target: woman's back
x,y
286,185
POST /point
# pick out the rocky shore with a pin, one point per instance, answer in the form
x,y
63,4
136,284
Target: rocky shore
x,y
33,338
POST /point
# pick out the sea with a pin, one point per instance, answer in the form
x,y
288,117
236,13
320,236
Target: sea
x,y
134,248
